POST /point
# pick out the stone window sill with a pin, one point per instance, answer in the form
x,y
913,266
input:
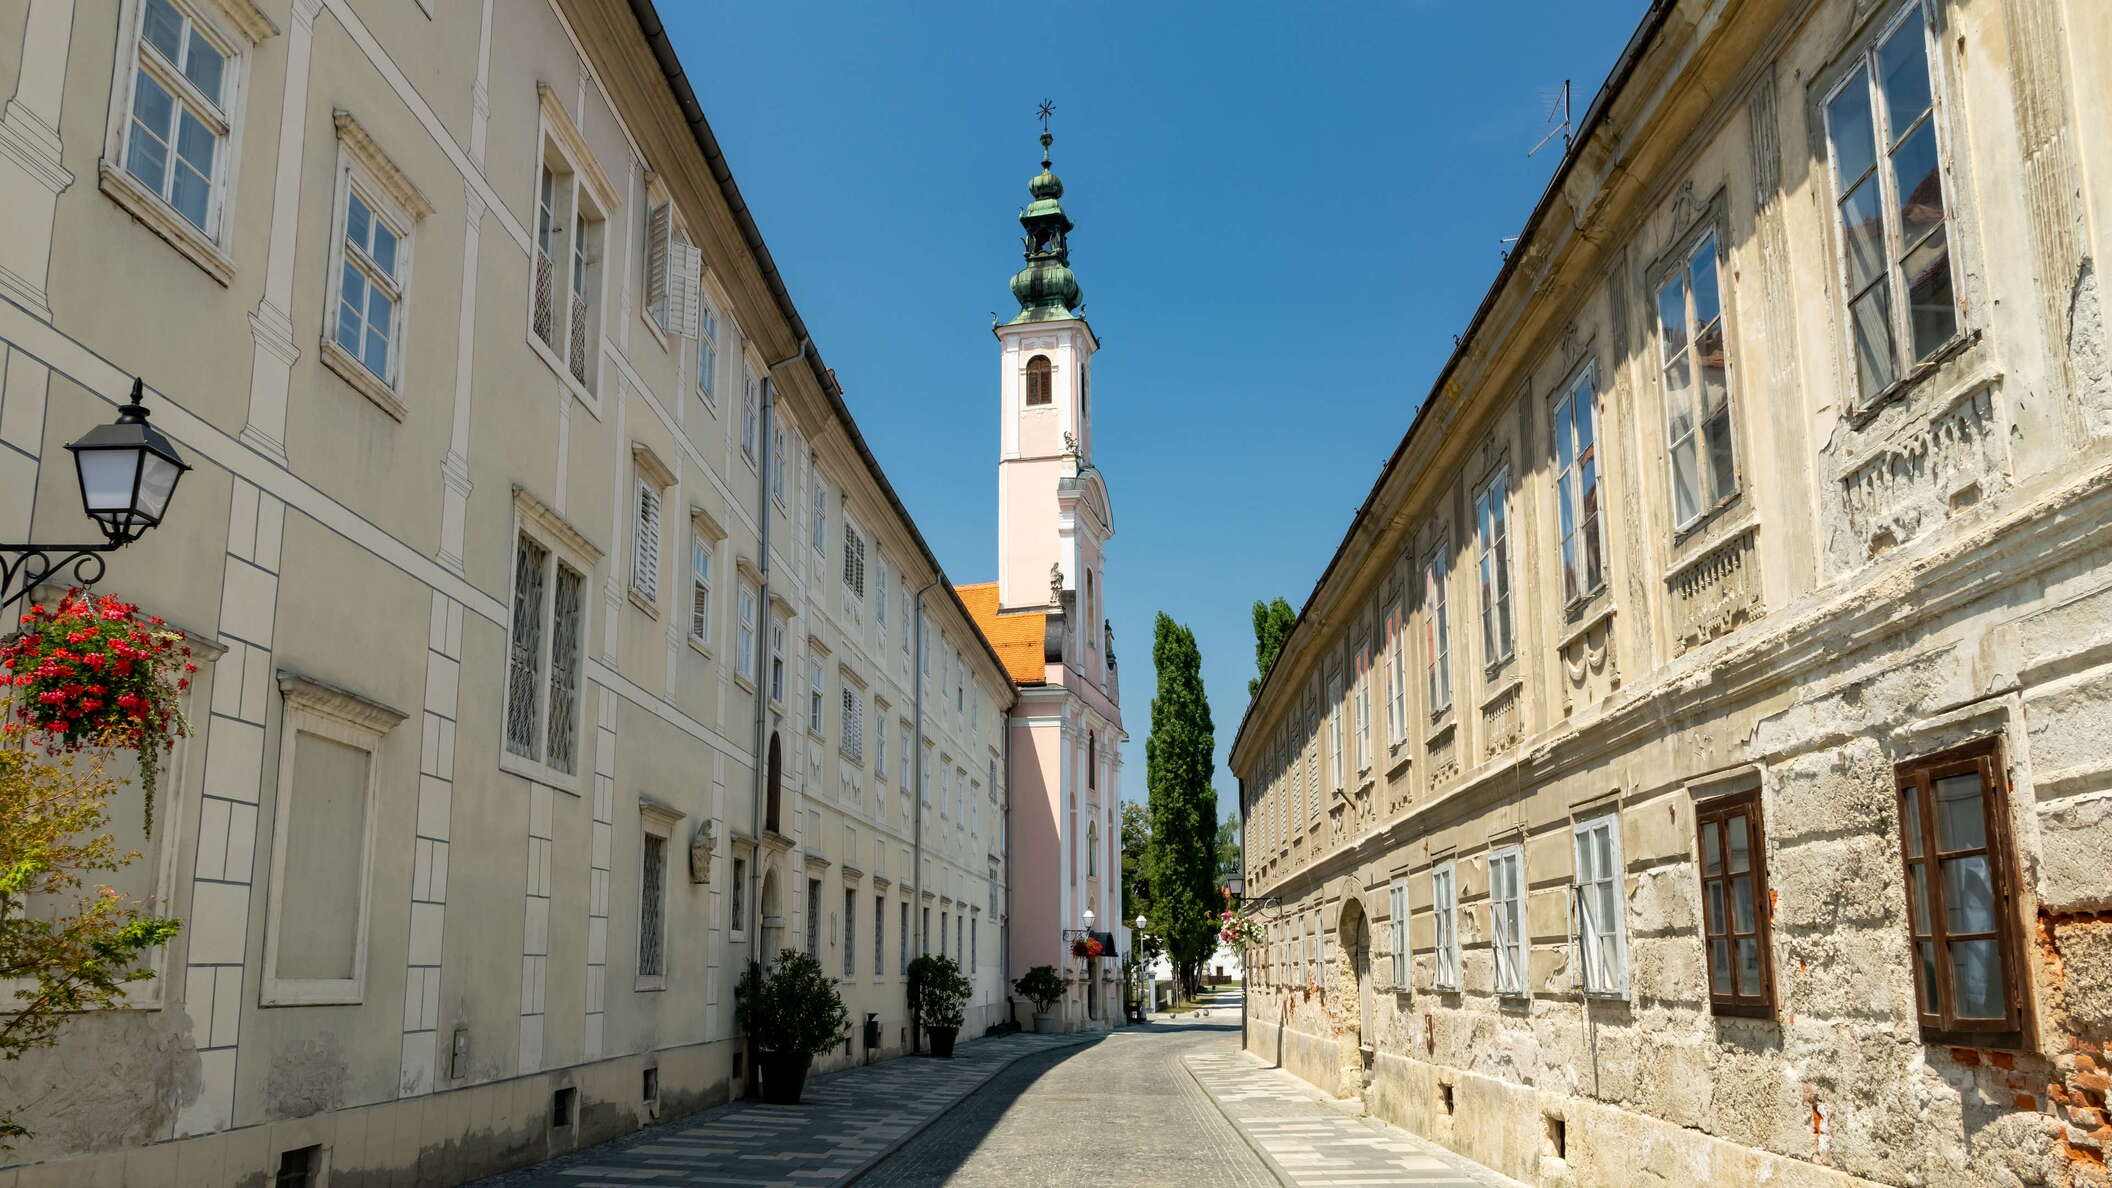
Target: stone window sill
x,y
162,220
365,382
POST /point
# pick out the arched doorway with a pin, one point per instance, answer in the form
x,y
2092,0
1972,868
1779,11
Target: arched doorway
x,y
1358,1026
774,785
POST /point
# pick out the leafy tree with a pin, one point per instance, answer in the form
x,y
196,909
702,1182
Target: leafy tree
x,y
75,951
1272,624
1179,758
1227,847
1136,842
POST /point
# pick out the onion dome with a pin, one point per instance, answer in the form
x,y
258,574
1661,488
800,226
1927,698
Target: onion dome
x,y
1046,289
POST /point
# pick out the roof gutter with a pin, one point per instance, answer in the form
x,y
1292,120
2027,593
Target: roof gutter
x,y
1594,115
693,113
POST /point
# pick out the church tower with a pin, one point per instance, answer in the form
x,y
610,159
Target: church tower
x,y
1054,519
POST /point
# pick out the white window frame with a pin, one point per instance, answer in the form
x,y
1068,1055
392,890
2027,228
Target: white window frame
x,y
1692,398
907,754
851,735
1397,918
1338,777
390,199
1444,909
880,709
701,547
1437,628
1602,945
780,670
1396,676
817,691
562,545
1586,536
747,605
1862,66
673,270
777,464
1492,535
751,413
206,246
853,557
1507,937
325,712
648,516
818,512
656,820
1362,702
577,235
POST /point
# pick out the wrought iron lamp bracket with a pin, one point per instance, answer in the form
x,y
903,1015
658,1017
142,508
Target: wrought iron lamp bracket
x,y
25,567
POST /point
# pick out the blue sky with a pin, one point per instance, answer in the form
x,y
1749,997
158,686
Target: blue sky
x,y
1285,212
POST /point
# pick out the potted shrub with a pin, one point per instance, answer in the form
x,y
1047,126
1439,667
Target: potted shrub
x,y
1042,986
937,994
793,1014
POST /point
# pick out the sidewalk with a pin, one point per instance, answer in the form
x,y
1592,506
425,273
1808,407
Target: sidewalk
x,y
847,1122
1311,1139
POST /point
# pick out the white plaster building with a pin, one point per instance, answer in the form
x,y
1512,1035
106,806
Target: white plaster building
x,y
1690,768
568,647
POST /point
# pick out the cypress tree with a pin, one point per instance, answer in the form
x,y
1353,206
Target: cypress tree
x,y
1179,759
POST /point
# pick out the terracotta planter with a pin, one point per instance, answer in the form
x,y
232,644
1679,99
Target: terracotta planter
x,y
1047,1024
942,1041
784,1077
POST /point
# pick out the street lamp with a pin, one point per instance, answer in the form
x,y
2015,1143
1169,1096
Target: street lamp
x,y
128,471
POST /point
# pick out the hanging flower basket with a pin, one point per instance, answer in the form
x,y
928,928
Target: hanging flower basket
x,y
1085,946
88,673
1240,932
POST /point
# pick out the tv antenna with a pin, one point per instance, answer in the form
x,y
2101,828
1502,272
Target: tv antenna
x,y
1558,104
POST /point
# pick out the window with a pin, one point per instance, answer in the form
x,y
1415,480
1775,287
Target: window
x,y
777,660
818,531
879,935
699,588
1507,920
568,232
960,934
1312,765
652,898
1697,392
708,354
777,464
853,558
850,933
176,135
751,413
880,741
1444,909
322,844
1600,908
945,918
1961,914
815,690
737,897
1495,569
880,595
1397,917
645,542
1363,705
1334,732
814,917
960,684
1092,849
672,267
902,939
905,756
974,936
853,728
744,634
1040,390
1577,489
1734,896
542,678
1437,630
1889,191
1396,678
372,261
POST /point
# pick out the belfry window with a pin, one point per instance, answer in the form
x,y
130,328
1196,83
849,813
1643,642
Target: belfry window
x,y
1040,389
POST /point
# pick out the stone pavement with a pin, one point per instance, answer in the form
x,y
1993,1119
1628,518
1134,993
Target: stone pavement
x,y
846,1122
1310,1139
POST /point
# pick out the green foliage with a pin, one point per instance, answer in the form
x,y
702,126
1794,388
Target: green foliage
x,y
1272,625
67,961
1136,843
938,991
1228,853
1042,986
1180,758
791,1007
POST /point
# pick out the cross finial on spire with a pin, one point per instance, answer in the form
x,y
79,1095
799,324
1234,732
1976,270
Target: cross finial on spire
x,y
1042,113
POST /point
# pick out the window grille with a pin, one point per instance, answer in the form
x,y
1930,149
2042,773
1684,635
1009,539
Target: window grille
x,y
651,895
526,656
853,559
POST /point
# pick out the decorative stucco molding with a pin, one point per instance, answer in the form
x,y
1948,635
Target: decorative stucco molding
x,y
361,146
335,701
575,147
556,527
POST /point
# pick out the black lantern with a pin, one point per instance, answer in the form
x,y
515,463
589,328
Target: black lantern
x,y
128,472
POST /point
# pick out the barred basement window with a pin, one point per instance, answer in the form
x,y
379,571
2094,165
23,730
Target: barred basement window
x,y
1735,905
652,894
1960,894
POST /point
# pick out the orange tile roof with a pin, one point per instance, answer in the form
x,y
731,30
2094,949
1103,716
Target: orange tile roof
x,y
1015,636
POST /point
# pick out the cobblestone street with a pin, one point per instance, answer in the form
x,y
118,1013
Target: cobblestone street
x,y
1176,1103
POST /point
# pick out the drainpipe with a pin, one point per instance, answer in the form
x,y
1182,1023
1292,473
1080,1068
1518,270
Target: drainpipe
x,y
1004,816
765,456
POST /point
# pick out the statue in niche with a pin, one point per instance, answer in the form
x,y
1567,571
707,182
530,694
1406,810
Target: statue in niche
x,y
701,845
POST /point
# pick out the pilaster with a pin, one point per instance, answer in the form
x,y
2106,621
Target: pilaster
x,y
271,323
32,175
